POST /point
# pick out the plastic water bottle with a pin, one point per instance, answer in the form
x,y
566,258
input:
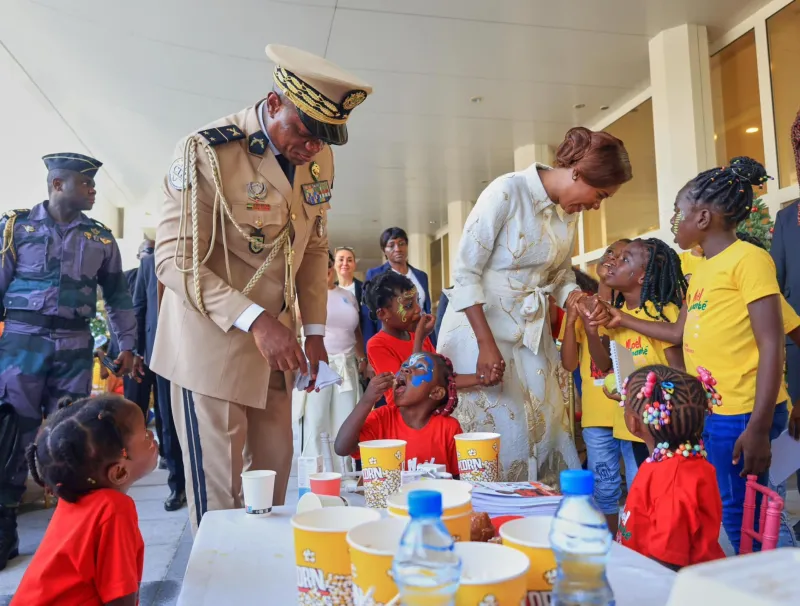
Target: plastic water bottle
x,y
581,542
426,567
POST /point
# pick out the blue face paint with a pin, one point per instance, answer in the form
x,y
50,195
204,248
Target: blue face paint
x,y
420,362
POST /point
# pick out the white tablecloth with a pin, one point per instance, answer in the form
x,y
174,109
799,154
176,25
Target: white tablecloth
x,y
241,560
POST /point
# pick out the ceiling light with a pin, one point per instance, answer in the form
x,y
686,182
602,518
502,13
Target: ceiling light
x,y
751,130
476,99
579,106
603,108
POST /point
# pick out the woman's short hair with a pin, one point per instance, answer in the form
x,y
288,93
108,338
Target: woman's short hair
x,y
391,234
600,159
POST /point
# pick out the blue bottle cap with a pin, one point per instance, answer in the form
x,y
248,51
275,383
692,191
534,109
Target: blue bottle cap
x,y
578,482
423,503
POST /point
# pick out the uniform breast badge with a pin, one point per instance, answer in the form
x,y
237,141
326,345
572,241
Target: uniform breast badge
x,y
257,241
177,175
256,191
315,171
28,228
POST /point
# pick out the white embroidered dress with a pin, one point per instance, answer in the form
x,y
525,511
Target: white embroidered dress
x,y
515,251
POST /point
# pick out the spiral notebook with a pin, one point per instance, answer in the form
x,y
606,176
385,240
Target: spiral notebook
x,y
622,360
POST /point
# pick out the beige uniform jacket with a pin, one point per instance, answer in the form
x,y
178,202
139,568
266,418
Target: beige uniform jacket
x,y
208,355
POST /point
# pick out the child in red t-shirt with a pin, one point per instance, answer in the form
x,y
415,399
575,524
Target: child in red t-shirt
x,y
674,510
425,395
392,299
88,454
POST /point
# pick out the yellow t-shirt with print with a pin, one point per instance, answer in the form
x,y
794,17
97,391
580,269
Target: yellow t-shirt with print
x,y
596,409
645,351
689,263
718,335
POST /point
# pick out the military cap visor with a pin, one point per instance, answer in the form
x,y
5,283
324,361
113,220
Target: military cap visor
x,y
332,134
71,161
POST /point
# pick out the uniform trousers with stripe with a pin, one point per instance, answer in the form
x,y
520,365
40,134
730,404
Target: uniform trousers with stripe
x,y
221,439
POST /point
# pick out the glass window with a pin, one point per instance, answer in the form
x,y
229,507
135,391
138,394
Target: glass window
x,y
784,53
736,101
633,210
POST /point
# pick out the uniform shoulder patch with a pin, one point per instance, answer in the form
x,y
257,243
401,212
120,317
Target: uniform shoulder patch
x,y
100,225
19,212
222,134
257,143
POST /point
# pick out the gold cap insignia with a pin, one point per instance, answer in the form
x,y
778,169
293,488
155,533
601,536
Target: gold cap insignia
x,y
354,99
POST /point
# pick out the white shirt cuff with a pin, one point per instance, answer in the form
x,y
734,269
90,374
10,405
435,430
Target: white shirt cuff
x,y
249,315
314,330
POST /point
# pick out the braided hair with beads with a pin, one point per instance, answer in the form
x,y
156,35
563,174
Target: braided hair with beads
x,y
728,189
76,445
449,404
664,282
382,289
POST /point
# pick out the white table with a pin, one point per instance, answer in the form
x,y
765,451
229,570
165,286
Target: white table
x,y
239,560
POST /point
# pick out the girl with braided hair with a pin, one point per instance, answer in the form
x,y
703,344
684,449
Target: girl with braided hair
x,y
425,395
89,454
674,511
731,328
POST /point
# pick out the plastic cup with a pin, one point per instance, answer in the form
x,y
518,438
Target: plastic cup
x,y
311,501
321,553
531,536
456,512
382,465
478,456
258,486
372,548
329,483
491,574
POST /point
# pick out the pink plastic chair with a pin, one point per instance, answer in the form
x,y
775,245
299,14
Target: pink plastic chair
x,y
769,520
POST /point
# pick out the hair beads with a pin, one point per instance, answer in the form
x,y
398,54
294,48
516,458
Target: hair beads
x,y
687,450
713,396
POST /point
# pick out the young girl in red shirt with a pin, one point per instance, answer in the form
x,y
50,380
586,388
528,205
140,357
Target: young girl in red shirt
x,y
89,454
424,396
674,511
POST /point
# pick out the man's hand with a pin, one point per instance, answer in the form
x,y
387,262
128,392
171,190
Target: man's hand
x,y
278,344
316,353
755,447
794,421
125,363
138,369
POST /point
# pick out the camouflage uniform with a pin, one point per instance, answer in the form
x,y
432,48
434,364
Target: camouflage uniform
x,y
48,283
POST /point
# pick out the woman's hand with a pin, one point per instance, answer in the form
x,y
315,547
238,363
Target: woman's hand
x,y
378,386
491,366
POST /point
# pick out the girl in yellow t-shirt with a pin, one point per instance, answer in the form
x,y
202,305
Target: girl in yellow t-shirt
x,y
731,331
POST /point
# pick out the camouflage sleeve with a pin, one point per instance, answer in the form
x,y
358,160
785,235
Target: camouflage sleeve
x,y
117,297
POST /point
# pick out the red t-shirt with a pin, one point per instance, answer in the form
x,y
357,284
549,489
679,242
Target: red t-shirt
x,y
434,443
673,512
92,553
387,354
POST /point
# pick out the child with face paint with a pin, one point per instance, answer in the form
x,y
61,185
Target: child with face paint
x,y
731,331
392,299
424,397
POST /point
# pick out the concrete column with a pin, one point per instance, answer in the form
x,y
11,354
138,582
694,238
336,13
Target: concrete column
x,y
457,213
419,251
682,113
526,155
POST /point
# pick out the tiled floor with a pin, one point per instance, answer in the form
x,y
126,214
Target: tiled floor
x,y
167,538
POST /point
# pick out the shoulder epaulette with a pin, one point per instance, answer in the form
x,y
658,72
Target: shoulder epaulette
x,y
100,225
222,134
19,212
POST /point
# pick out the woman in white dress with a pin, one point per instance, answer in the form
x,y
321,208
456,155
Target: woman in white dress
x,y
515,253
326,410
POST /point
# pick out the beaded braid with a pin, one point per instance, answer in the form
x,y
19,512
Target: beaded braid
x,y
729,189
664,282
76,443
450,404
379,292
672,404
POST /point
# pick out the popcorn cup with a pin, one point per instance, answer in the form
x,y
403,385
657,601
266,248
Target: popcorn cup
x,y
456,512
321,554
531,536
382,465
372,548
455,499
438,485
311,501
478,456
491,575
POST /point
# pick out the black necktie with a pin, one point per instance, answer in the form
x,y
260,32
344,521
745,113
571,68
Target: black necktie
x,y
287,167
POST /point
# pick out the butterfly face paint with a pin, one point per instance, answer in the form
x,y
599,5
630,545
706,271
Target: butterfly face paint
x,y
421,366
677,219
405,304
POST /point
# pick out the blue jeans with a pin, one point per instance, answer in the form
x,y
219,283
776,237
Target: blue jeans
x,y
603,451
720,435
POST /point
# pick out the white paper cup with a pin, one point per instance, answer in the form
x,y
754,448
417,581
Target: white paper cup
x,y
258,486
311,501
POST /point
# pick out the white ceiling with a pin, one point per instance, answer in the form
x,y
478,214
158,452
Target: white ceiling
x,y
131,78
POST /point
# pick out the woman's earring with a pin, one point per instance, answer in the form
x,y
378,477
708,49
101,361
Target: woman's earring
x,y
574,175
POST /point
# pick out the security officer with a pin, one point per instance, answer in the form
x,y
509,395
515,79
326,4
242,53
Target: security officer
x,y
244,222
52,258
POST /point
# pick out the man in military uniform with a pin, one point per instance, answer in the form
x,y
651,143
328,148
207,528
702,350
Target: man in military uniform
x,y
244,223
52,258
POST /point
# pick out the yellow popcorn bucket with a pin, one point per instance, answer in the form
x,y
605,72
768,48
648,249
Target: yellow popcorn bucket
x,y
491,575
455,499
382,465
478,456
321,554
438,485
456,513
372,548
531,536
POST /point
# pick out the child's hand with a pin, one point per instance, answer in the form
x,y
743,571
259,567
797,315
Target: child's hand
x,y
612,396
571,305
378,386
605,315
426,324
